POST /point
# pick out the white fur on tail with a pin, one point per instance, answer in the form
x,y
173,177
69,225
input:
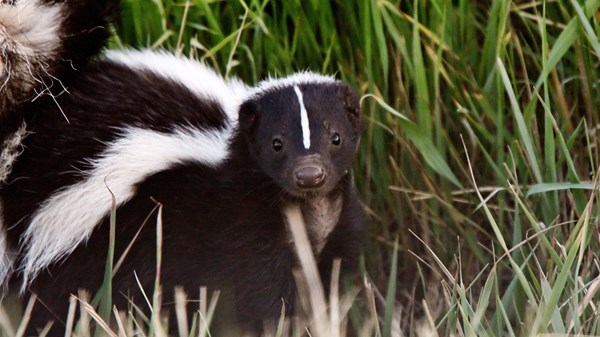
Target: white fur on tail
x,y
69,217
29,35
6,262
10,150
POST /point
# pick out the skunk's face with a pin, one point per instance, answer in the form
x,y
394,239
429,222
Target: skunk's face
x,y
304,136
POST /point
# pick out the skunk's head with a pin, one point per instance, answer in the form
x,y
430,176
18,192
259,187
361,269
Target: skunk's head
x,y
302,131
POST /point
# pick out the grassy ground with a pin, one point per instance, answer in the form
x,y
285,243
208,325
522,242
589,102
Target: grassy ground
x,y
480,153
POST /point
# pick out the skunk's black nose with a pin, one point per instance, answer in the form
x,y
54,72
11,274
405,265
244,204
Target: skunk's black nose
x,y
309,176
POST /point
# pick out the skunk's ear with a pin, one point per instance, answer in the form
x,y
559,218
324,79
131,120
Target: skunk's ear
x,y
248,117
351,104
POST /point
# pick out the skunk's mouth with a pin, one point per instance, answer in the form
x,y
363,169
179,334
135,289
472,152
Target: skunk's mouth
x,y
305,194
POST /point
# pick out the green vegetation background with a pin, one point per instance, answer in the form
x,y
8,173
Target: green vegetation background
x,y
480,148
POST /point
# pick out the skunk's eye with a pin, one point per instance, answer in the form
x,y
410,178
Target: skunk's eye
x,y
277,144
336,139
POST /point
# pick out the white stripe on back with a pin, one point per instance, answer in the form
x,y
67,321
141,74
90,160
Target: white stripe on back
x,y
303,119
196,76
70,215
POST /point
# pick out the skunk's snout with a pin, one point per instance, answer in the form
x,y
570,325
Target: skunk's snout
x,y
309,176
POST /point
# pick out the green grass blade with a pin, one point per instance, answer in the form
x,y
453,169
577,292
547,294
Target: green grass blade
x,y
522,125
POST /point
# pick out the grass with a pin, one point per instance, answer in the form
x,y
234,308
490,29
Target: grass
x,y
479,159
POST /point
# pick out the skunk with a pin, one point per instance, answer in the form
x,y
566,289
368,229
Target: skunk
x,y
220,159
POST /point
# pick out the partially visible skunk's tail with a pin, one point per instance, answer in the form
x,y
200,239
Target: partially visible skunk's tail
x,y
41,43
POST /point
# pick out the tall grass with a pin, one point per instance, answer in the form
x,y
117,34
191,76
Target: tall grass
x,y
480,150
479,156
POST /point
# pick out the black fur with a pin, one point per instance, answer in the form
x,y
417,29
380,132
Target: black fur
x,y
101,101
223,226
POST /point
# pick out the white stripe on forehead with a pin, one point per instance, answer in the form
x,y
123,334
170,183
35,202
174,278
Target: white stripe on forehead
x,y
303,118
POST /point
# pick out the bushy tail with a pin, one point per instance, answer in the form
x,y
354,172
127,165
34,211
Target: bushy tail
x,y
42,42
